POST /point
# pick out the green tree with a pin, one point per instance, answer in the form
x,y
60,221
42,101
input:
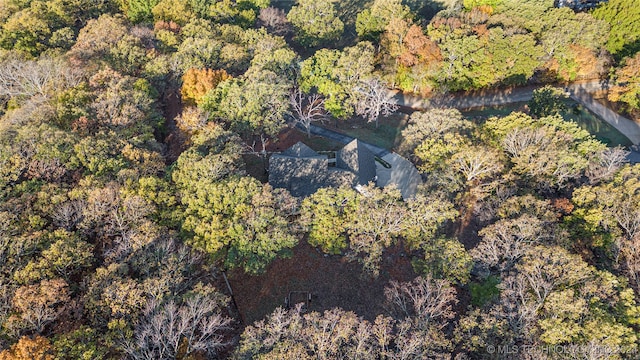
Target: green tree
x,y
547,101
239,221
82,343
240,12
35,26
572,295
562,28
337,75
371,22
65,258
253,105
214,156
465,61
609,215
435,153
381,217
317,72
549,152
514,57
139,10
553,297
431,124
107,41
315,22
445,259
326,214
28,30
470,4
624,18
178,11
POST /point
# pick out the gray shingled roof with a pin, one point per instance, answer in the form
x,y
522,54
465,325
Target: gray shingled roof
x,y
300,150
357,158
301,176
303,171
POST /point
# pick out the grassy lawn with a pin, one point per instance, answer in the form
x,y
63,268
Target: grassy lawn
x,y
319,143
485,112
386,135
575,112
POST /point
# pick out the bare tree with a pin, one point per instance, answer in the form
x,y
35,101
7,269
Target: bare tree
x,y
606,163
380,217
275,20
40,304
630,251
166,330
307,109
549,268
627,215
119,221
6,293
519,140
517,305
476,163
506,241
373,99
333,334
429,301
29,78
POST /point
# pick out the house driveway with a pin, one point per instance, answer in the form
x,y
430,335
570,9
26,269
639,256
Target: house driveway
x,y
402,173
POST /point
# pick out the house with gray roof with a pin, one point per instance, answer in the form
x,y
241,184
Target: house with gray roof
x,y
303,171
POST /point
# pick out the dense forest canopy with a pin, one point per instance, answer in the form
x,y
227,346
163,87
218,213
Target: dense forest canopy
x,y
130,134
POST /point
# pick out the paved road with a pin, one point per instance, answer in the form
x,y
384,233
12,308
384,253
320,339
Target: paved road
x,y
490,97
580,92
628,127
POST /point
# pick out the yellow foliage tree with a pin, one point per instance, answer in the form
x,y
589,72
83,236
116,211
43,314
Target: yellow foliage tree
x,y
38,348
197,82
178,11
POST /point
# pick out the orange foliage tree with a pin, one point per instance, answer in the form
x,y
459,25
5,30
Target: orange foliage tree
x,y
410,54
38,348
418,48
39,304
627,83
197,82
